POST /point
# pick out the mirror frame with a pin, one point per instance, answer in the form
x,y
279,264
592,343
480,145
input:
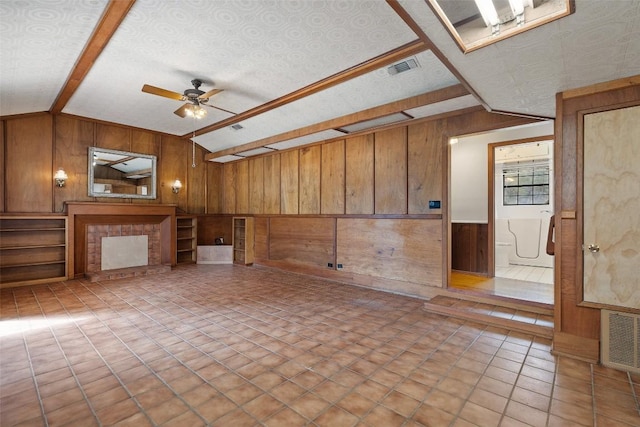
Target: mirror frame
x,y
154,178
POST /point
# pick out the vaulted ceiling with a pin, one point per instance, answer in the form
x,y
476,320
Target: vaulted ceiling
x,y
292,72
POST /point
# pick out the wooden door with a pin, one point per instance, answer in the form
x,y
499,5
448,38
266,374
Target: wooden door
x,y
611,239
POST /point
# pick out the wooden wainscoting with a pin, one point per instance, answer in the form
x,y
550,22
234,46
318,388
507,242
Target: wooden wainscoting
x,y
469,247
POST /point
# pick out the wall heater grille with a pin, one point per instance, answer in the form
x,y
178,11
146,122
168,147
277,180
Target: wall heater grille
x,y
620,341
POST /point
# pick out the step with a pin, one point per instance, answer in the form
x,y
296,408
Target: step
x,y
537,321
124,273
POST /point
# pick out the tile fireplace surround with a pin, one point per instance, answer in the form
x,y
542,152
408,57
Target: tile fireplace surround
x,y
88,222
95,233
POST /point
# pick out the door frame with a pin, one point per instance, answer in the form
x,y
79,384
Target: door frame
x,y
491,268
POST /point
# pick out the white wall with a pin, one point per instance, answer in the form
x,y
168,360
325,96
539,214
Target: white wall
x,y
469,169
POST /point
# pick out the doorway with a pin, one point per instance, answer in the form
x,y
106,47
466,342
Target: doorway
x,y
521,194
501,203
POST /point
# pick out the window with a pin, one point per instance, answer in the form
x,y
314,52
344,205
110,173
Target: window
x,y
525,184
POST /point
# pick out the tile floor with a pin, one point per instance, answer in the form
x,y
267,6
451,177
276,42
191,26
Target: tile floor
x,y
526,273
245,346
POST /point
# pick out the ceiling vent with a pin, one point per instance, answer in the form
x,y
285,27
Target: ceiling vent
x,y
403,66
237,126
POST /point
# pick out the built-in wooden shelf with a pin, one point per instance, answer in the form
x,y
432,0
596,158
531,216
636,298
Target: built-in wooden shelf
x,y
243,240
187,239
33,249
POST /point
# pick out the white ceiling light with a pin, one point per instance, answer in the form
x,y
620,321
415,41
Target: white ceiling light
x,y
517,7
489,14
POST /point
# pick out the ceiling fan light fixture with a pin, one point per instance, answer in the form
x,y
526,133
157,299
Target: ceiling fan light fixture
x,y
196,111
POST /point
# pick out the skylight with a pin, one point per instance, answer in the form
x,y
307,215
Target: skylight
x,y
477,23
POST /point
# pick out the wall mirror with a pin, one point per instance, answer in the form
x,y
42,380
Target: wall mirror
x,y
121,174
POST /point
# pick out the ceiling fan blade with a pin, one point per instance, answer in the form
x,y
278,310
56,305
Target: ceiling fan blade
x,y
218,108
162,92
209,94
182,111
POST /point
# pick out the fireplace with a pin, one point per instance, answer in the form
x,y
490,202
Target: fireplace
x,y
122,245
90,222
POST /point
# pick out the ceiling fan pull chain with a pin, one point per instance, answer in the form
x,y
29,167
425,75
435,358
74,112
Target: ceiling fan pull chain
x,y
193,150
193,143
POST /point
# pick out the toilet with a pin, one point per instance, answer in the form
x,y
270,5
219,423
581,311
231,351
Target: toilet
x,y
502,254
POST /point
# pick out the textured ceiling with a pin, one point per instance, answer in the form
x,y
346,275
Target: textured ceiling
x,y
599,42
261,52
256,51
40,41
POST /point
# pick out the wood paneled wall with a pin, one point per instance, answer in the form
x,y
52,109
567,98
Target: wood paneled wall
x,y
289,182
363,175
390,171
332,182
37,145
2,151
400,249
577,328
359,175
215,187
29,165
363,199
469,244
357,209
395,171
210,227
302,241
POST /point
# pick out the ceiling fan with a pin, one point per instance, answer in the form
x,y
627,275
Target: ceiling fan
x,y
194,99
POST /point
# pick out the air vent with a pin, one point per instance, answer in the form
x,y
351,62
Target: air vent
x,y
403,66
237,126
620,343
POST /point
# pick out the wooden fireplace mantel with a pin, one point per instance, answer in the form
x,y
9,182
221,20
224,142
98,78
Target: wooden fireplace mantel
x,y
81,214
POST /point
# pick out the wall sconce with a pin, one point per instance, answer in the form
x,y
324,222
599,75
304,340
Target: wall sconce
x,y
176,186
60,177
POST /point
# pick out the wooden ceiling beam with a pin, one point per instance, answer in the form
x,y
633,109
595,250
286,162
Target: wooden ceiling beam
x,y
439,95
113,15
372,64
406,17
